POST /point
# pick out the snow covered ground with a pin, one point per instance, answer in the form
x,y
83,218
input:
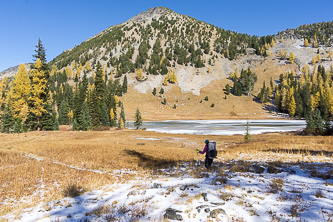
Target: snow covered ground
x,y
234,191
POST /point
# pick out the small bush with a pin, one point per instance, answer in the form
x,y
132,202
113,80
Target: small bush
x,y
73,190
206,98
174,106
212,105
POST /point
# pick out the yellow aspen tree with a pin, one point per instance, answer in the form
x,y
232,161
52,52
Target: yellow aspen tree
x,y
236,72
285,54
312,103
79,70
292,106
284,99
330,55
111,114
93,74
232,75
70,115
281,54
116,98
165,82
281,40
37,89
139,74
111,76
227,53
88,66
306,42
73,65
314,60
122,125
291,57
208,69
3,92
315,41
318,58
54,70
20,92
68,72
173,77
268,53
272,42
317,99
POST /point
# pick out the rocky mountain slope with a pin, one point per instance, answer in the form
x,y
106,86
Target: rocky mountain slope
x,y
201,55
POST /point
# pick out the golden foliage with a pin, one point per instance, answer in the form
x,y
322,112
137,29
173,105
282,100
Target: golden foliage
x,y
20,92
139,75
37,89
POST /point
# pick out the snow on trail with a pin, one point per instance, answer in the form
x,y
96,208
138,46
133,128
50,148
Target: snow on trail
x,y
193,194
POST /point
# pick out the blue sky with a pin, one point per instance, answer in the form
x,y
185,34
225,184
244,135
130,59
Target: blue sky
x,y
62,24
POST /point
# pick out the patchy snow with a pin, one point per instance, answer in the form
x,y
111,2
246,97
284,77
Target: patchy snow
x,y
194,194
146,138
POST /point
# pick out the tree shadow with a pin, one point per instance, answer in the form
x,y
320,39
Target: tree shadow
x,y
149,162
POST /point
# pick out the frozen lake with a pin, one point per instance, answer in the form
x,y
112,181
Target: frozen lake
x,y
221,127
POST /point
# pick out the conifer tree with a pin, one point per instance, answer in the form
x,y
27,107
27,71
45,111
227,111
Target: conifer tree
x,y
139,75
125,84
7,119
64,109
173,78
20,93
227,89
281,54
154,91
122,115
99,98
291,57
138,119
85,119
292,106
38,93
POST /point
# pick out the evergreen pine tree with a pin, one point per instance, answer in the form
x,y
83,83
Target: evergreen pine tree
x,y
17,126
138,119
125,84
122,115
64,109
7,120
154,91
46,120
85,119
227,89
75,125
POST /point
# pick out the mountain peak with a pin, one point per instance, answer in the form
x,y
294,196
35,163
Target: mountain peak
x,y
152,13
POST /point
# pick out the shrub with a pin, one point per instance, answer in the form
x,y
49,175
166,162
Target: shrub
x,y
212,105
206,98
73,190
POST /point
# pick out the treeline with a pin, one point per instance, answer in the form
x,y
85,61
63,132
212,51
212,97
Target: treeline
x,y
43,100
316,33
308,96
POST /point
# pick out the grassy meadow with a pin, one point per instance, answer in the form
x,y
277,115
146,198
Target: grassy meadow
x,y
42,166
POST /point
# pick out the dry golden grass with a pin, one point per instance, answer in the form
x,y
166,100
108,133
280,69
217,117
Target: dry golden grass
x,y
189,106
60,161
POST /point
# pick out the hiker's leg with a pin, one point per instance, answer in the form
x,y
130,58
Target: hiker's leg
x,y
210,161
207,163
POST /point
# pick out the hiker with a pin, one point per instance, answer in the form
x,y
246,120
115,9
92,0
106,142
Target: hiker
x,y
210,150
